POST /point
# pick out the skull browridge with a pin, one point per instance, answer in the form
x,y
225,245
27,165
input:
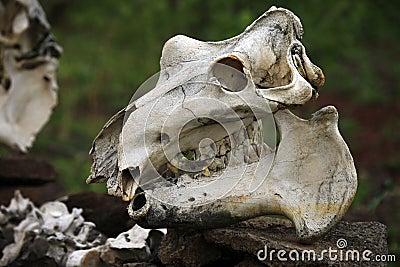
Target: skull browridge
x,y
191,151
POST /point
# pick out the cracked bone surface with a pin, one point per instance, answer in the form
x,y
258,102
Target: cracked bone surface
x,y
29,60
191,153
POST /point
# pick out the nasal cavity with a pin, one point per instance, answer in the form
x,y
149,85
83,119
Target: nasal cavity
x,y
139,202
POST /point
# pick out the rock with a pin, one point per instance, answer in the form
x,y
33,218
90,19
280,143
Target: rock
x,y
37,194
36,180
107,212
139,264
46,261
26,171
187,249
247,240
249,262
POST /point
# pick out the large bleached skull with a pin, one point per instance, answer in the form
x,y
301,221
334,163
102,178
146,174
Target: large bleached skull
x,y
193,151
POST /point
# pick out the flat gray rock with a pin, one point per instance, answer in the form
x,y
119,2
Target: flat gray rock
x,y
240,244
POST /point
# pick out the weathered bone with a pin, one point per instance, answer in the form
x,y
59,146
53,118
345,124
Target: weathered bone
x,y
29,60
190,152
31,234
312,182
51,230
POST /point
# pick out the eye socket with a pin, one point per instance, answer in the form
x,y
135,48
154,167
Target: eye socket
x,y
229,71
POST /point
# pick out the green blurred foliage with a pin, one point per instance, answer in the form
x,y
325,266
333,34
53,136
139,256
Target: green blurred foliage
x,y
111,47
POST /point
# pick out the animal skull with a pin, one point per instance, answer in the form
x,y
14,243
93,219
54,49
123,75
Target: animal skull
x,y
190,152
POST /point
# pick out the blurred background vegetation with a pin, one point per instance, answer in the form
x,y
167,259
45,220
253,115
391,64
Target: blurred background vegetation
x,y
111,47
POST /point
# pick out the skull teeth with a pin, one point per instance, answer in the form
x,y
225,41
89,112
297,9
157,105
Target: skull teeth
x,y
243,146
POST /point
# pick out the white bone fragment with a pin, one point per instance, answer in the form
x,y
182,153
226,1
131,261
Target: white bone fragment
x,y
28,65
50,231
